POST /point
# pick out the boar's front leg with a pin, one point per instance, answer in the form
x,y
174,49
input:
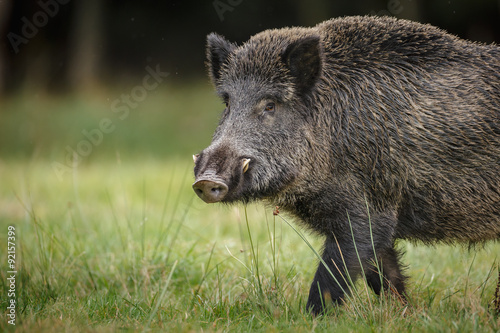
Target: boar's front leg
x,y
388,273
344,258
330,284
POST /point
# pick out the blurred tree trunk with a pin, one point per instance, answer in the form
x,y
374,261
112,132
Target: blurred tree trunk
x,y
5,7
85,44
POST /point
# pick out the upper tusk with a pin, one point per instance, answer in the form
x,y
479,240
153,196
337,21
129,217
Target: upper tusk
x,y
195,157
246,162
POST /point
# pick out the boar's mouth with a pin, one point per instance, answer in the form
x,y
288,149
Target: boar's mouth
x,y
212,186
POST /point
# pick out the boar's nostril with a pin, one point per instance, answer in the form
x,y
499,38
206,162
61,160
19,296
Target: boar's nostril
x,y
210,191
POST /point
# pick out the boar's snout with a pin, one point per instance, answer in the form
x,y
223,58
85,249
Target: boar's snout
x,y
221,174
210,191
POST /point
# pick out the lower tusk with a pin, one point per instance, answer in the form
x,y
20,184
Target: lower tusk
x,y
246,162
195,157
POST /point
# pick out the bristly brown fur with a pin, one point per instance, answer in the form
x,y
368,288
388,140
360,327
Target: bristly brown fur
x,y
385,126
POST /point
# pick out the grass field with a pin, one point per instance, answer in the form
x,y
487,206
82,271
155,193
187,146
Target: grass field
x,y
120,243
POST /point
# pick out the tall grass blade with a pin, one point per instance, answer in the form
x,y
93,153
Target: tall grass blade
x,y
162,296
254,255
361,264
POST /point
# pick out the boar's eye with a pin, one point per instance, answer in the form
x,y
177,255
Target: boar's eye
x,y
269,108
226,108
225,100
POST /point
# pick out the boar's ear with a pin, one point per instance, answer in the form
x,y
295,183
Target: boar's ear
x,y
303,59
218,50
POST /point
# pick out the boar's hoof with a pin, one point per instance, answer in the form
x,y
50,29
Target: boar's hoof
x,y
210,191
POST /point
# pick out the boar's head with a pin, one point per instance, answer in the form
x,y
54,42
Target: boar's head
x,y
266,132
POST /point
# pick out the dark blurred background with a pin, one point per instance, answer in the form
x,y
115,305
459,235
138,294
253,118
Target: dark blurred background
x,y
65,65
81,43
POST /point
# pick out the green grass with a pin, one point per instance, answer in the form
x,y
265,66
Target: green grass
x,y
126,245
120,243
